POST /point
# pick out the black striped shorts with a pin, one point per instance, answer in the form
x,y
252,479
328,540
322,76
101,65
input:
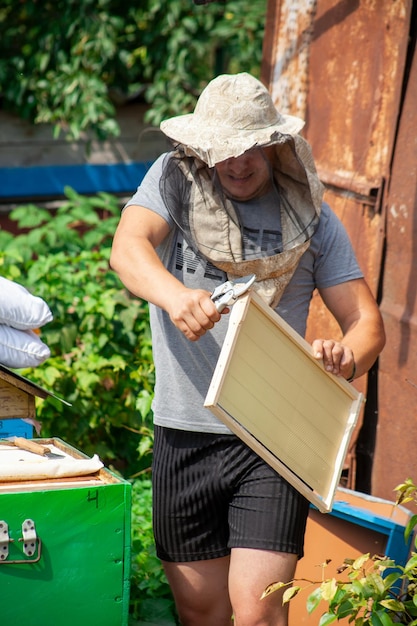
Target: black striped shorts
x,y
212,493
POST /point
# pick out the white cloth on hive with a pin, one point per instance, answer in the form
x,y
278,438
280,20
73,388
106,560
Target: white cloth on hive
x,y
16,465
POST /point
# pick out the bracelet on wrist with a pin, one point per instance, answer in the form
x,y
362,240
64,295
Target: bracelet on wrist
x,y
353,373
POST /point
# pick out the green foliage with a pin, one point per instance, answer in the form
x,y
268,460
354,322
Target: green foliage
x,y
375,590
101,358
68,63
198,43
150,596
101,362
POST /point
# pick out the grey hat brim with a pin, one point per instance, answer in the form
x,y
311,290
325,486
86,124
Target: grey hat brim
x,y
213,144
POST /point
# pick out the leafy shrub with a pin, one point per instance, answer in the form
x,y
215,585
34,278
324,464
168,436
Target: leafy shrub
x,y
378,591
101,357
68,64
150,596
101,361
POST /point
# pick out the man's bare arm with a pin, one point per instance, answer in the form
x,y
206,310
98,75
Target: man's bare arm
x,y
358,315
136,262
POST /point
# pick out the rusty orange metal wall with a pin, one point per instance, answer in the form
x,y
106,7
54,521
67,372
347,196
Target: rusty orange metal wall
x,y
396,444
340,65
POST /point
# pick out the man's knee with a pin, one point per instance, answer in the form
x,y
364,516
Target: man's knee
x,y
201,615
253,614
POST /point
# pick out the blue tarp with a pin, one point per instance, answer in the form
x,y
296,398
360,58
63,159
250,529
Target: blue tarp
x,y
50,181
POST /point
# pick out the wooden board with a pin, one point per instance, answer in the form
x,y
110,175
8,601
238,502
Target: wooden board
x,y
270,391
15,402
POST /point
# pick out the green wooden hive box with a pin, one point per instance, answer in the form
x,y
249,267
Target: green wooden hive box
x,y
65,548
64,541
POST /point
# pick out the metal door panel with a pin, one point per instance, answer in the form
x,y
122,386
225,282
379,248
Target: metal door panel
x,y
396,444
340,66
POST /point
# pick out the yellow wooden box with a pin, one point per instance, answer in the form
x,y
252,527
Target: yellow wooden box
x,y
270,391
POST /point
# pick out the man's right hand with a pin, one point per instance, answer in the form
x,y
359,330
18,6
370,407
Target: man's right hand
x,y
193,312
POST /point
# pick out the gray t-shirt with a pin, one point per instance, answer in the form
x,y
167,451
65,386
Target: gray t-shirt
x,y
184,368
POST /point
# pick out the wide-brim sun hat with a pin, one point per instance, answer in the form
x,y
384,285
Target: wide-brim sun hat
x,y
233,114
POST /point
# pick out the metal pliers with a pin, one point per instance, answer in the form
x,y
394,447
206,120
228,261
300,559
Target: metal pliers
x,y
227,293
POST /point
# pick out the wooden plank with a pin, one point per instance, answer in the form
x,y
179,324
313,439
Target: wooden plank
x,y
14,402
13,378
270,391
29,387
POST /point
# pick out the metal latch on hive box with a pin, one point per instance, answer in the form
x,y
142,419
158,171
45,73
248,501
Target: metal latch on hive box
x,y
31,543
4,540
30,540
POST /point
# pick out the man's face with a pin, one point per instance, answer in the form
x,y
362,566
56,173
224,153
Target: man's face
x,y
247,176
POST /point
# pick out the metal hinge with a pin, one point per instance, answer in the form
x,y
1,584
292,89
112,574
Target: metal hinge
x,y
30,539
4,540
31,543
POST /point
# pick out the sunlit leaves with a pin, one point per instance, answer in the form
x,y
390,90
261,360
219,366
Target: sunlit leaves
x,y
101,354
376,592
62,63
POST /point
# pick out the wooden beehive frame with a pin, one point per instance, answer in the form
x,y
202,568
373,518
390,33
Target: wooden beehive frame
x,y
270,391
